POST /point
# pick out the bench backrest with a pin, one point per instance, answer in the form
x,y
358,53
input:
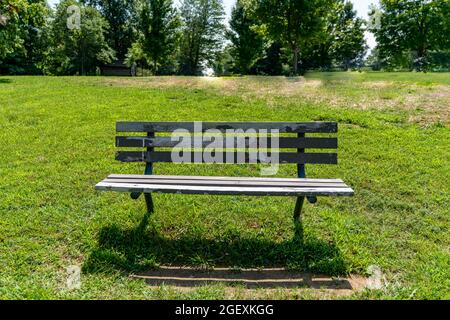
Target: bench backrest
x,y
292,136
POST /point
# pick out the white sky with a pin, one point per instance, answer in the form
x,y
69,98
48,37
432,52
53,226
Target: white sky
x,y
361,6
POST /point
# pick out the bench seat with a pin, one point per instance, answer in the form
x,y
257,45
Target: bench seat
x,y
269,143
225,185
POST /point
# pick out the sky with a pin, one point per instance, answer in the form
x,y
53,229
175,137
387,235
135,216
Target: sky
x,y
361,6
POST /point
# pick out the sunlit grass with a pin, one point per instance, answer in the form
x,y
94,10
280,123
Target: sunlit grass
x,y
58,141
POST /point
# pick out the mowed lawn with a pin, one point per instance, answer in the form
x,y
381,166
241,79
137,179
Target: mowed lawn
x,y
57,142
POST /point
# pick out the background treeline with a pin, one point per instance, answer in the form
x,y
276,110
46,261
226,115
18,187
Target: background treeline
x,y
413,34
269,37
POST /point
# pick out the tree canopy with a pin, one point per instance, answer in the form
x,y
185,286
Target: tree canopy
x,y
78,50
119,15
203,34
413,28
23,34
247,43
159,32
189,37
293,23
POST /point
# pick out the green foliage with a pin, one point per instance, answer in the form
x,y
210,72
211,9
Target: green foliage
x,y
440,60
348,47
9,30
266,36
247,44
341,42
23,35
272,61
373,60
135,55
159,32
202,34
120,16
224,64
294,23
412,28
78,50
58,135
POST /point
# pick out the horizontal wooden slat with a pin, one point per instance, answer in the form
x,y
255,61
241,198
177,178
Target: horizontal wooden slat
x,y
248,183
197,157
284,142
217,178
282,127
220,190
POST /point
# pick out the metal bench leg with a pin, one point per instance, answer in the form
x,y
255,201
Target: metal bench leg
x,y
148,172
149,202
298,208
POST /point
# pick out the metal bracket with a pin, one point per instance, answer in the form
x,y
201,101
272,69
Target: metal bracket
x,y
148,172
302,174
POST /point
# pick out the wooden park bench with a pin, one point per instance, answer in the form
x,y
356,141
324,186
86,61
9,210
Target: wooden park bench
x,y
291,136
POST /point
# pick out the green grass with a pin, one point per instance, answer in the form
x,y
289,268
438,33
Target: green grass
x,y
398,77
57,142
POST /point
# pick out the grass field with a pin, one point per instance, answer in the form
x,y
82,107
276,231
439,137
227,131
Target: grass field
x,y
57,142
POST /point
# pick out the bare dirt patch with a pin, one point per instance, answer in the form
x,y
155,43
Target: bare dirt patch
x,y
255,283
173,82
280,86
377,84
422,104
429,106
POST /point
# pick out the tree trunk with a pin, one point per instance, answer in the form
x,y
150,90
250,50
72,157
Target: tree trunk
x,y
422,46
82,63
346,64
196,61
296,52
422,57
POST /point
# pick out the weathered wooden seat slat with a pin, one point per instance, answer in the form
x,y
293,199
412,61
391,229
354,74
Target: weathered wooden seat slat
x,y
282,127
284,142
243,182
260,187
228,139
224,190
228,157
150,177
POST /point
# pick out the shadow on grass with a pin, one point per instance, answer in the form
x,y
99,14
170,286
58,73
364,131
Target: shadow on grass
x,y
247,278
5,80
144,248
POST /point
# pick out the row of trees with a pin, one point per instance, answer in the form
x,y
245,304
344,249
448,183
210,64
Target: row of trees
x,y
301,34
411,34
263,36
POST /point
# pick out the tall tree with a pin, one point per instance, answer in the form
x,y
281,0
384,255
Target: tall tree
x,y
119,15
271,63
373,60
159,23
78,50
23,35
247,43
203,34
9,27
417,26
341,43
348,43
224,64
294,23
